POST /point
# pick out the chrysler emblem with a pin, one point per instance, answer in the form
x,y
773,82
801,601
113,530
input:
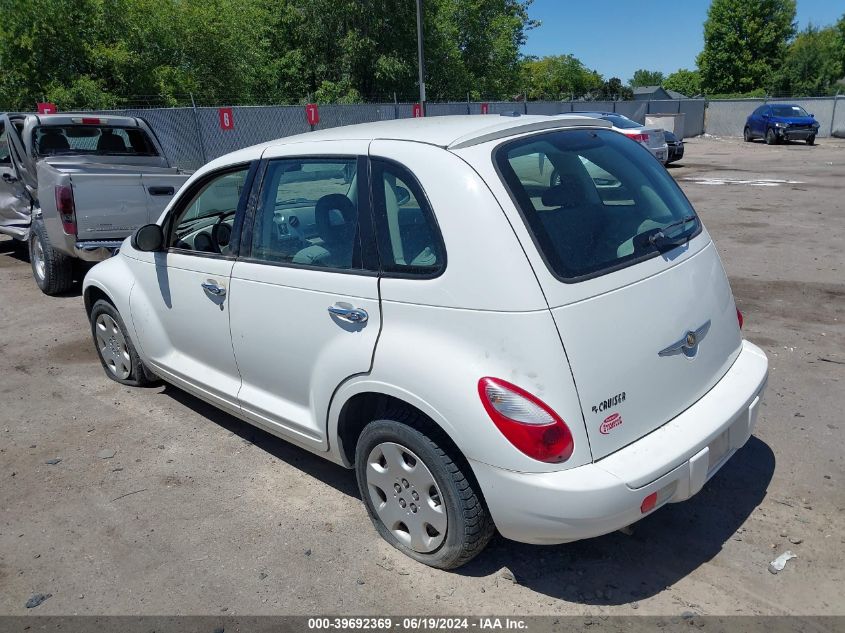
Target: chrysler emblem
x,y
688,345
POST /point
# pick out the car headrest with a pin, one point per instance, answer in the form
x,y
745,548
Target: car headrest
x,y
335,217
110,142
569,192
52,140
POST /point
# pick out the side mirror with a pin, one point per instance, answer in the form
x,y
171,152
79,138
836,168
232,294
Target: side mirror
x,y
765,116
812,116
148,238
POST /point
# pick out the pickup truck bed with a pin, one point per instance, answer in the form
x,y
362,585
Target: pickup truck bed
x,y
75,186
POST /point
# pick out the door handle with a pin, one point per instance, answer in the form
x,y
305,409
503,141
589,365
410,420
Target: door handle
x,y
213,288
161,191
348,313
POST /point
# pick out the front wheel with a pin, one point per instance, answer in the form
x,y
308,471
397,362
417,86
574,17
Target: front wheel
x,y
53,270
115,348
746,134
811,140
771,137
418,497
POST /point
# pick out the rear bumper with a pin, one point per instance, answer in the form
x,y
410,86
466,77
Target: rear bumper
x,y
676,152
96,250
674,461
660,153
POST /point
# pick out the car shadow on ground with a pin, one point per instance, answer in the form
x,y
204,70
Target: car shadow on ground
x,y
338,477
609,570
664,547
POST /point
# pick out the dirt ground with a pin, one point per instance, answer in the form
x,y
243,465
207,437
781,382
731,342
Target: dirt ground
x,y
198,513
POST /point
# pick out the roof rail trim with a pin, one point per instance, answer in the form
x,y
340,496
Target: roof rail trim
x,y
503,131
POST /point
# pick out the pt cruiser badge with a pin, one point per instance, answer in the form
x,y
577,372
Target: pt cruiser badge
x,y
688,344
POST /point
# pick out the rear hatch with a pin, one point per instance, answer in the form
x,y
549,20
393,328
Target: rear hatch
x,y
636,288
629,353
656,138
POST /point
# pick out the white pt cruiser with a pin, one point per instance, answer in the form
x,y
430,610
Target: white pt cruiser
x,y
512,323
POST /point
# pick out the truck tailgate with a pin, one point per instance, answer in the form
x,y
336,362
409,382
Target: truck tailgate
x,y
114,201
160,189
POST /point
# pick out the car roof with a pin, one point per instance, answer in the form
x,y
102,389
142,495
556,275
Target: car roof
x,y
453,132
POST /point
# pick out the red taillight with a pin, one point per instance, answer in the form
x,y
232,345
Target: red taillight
x,y
640,138
648,503
526,421
66,209
739,318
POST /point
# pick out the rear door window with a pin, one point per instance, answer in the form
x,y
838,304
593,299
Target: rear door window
x,y
594,201
409,240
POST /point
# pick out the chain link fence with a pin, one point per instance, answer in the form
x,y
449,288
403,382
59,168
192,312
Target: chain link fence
x,y
193,136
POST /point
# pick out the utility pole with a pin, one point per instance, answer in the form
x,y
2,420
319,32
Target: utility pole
x,y
420,55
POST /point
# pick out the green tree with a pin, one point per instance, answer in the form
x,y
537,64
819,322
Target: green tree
x,y
558,77
744,41
613,90
687,82
644,77
105,53
812,65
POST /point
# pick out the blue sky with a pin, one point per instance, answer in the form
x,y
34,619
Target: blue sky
x,y
616,37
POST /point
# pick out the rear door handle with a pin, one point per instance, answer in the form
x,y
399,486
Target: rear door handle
x,y
349,313
161,191
213,288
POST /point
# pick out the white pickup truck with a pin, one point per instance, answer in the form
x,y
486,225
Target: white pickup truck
x,y
74,186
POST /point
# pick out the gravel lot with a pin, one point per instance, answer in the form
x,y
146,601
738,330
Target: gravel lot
x,y
198,513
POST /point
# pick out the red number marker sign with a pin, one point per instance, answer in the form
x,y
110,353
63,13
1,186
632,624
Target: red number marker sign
x,y
417,110
227,121
312,113
485,108
47,108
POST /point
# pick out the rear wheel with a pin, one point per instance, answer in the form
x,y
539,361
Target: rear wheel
x,y
418,497
115,348
811,140
53,271
771,137
746,134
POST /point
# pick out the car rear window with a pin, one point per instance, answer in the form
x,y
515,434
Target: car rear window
x,y
593,200
101,140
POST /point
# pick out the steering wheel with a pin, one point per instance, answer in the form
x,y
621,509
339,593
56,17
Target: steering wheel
x,y
221,233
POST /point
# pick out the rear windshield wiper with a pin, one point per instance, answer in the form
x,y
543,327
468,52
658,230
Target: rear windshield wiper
x,y
659,237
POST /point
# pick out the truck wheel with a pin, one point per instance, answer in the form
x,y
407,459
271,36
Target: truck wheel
x,y
53,271
418,497
115,348
811,140
771,137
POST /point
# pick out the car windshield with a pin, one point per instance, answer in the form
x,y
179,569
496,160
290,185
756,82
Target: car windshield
x,y
98,140
593,200
788,110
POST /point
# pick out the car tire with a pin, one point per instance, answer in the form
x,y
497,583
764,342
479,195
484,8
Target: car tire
x,y
52,270
811,140
771,137
420,498
115,348
746,134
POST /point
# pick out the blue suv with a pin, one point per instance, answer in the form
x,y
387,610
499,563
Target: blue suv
x,y
778,122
